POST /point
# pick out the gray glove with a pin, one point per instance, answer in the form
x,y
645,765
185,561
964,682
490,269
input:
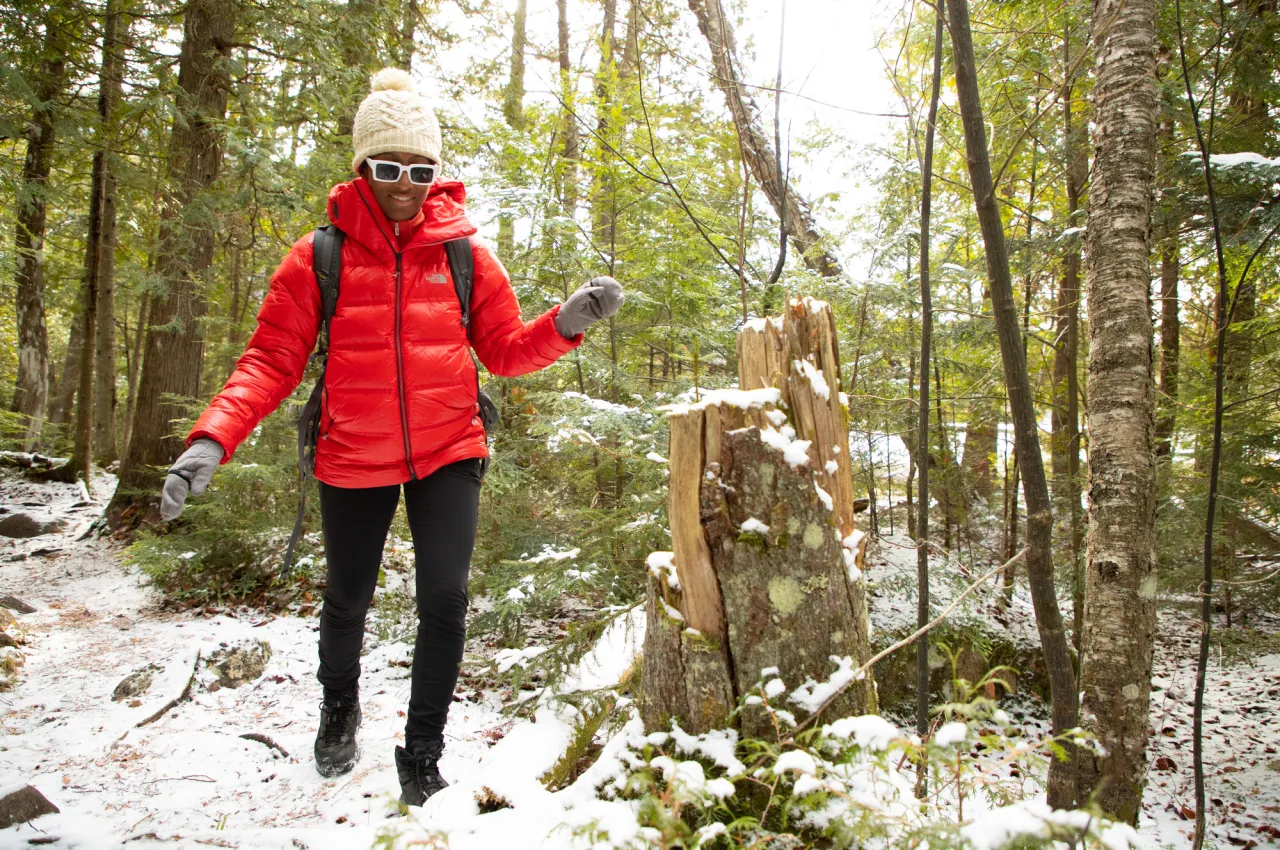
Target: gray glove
x,y
193,470
597,300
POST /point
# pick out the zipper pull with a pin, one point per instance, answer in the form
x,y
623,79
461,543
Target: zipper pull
x,y
397,226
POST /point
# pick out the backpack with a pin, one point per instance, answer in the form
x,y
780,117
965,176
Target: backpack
x,y
327,261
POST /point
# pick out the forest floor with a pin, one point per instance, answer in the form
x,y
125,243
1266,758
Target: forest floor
x,y
189,779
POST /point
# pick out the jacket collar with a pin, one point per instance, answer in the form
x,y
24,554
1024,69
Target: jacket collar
x,y
354,211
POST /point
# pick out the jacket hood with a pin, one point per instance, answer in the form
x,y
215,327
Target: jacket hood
x,y
353,209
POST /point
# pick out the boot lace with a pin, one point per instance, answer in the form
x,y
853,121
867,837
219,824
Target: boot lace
x,y
337,714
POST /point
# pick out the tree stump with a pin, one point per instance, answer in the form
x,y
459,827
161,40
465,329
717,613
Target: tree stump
x,y
766,568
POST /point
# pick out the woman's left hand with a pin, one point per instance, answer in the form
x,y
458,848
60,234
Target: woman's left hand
x,y
592,302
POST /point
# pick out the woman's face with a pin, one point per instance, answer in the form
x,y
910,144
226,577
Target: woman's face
x,y
400,201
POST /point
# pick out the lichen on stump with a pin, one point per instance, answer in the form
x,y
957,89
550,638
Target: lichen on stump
x,y
786,590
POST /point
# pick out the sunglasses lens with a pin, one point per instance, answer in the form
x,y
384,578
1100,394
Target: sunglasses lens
x,y
422,174
386,172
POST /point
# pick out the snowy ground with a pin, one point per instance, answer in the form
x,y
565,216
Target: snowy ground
x,y
190,780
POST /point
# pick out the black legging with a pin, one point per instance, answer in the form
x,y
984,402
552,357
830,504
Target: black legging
x,y
443,510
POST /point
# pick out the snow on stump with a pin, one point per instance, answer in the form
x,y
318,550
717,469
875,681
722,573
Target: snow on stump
x,y
23,804
767,566
240,663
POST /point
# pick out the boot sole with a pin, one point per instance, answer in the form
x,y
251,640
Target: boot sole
x,y
332,770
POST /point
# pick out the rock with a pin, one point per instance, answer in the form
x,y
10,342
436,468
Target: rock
x,y
6,618
23,805
13,603
240,663
6,639
135,684
25,525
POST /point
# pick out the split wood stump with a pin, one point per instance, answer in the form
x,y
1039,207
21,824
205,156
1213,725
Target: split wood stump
x,y
766,570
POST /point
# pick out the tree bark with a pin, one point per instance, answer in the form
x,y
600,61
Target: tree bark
x,y
1120,613
64,393
788,593
171,365
570,152
756,148
1066,409
513,112
31,390
408,30
135,367
922,413
109,88
1062,680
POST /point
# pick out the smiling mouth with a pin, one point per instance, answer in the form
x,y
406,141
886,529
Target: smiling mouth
x,y
403,199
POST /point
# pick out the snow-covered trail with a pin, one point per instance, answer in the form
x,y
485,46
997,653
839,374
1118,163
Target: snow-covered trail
x,y
190,777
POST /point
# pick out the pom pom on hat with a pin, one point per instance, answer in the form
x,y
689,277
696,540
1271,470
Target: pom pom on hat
x,y
394,118
392,79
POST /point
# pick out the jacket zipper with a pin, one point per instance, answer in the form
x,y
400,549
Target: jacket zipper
x,y
404,407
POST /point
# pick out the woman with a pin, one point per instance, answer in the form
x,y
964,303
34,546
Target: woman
x,y
400,409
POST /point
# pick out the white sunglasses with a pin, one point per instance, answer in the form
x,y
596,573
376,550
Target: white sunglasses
x,y
387,171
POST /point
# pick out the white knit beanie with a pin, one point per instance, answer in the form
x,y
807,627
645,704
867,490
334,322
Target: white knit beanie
x,y
394,118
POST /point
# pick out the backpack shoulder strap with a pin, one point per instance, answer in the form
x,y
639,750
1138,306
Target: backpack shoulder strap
x,y
327,261
462,267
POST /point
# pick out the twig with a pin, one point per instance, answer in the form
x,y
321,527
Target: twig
x,y
263,739
196,777
910,639
180,698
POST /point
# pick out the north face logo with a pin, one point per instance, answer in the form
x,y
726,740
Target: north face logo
x,y
437,278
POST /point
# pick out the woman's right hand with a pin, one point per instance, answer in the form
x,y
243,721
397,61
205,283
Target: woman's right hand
x,y
192,471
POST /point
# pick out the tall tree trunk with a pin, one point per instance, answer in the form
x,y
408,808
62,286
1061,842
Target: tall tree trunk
x,y
1053,640
1067,357
570,152
513,112
1170,347
359,55
64,395
408,30
82,453
31,391
110,82
171,365
135,367
759,153
979,448
922,414
1120,612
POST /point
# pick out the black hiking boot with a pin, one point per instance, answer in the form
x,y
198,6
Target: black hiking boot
x,y
336,747
419,773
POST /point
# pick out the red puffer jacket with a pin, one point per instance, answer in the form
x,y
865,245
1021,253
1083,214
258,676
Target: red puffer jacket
x,y
400,386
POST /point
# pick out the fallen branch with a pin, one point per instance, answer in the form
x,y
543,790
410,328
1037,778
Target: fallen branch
x,y
173,703
198,777
907,641
263,739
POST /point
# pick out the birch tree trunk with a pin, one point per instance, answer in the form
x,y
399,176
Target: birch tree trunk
x,y
1053,641
31,390
1120,614
175,344
756,149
